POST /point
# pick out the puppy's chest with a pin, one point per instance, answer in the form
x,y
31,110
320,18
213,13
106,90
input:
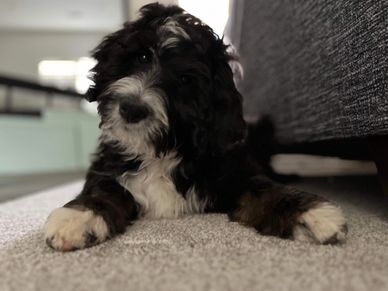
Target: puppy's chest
x,y
153,188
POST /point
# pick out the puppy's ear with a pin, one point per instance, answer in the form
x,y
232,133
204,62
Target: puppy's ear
x,y
111,48
228,123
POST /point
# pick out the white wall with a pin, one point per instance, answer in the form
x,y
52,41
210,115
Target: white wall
x,y
21,51
214,13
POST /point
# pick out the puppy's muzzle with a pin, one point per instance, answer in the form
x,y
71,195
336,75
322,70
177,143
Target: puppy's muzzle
x,y
133,110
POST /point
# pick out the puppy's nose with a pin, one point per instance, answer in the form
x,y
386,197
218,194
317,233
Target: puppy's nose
x,y
133,112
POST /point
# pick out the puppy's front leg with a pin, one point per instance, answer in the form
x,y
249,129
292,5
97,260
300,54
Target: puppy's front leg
x,y
282,211
101,211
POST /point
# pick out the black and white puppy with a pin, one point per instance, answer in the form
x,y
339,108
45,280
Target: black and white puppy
x,y
173,142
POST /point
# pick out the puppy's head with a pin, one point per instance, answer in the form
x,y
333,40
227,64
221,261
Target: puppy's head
x,y
163,83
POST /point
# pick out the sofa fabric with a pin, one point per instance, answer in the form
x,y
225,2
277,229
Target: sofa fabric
x,y
317,68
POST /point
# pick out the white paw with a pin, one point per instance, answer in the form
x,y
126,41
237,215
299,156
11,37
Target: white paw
x,y
68,229
325,223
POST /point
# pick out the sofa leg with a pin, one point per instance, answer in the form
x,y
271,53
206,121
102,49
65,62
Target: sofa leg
x,y
379,150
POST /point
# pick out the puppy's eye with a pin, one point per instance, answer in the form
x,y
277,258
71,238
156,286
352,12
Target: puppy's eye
x,y
144,57
184,80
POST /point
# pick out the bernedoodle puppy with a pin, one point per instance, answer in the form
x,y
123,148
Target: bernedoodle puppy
x,y
173,142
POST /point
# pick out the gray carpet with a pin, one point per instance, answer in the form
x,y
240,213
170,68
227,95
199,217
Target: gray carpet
x,y
198,252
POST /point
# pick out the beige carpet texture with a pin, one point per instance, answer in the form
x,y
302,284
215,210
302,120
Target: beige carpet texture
x,y
201,252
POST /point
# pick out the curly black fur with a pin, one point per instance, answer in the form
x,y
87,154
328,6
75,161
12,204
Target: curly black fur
x,y
186,65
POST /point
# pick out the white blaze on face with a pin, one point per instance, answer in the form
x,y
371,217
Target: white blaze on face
x,y
171,33
135,138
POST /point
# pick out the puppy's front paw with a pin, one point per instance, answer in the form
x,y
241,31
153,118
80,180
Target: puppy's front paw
x,y
68,229
324,223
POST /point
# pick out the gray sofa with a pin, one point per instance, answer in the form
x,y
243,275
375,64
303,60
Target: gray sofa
x,y
317,68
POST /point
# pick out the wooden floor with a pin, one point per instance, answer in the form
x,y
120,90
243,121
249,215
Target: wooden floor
x,y
12,187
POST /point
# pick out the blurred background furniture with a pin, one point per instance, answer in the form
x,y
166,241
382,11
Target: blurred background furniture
x,y
318,70
46,138
41,140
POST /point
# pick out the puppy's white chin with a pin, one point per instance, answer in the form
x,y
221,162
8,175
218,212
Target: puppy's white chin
x,y
135,138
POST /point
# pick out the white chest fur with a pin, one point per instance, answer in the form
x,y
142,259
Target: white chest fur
x,y
153,188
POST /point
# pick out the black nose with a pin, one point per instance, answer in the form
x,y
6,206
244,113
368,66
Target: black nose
x,y
133,112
